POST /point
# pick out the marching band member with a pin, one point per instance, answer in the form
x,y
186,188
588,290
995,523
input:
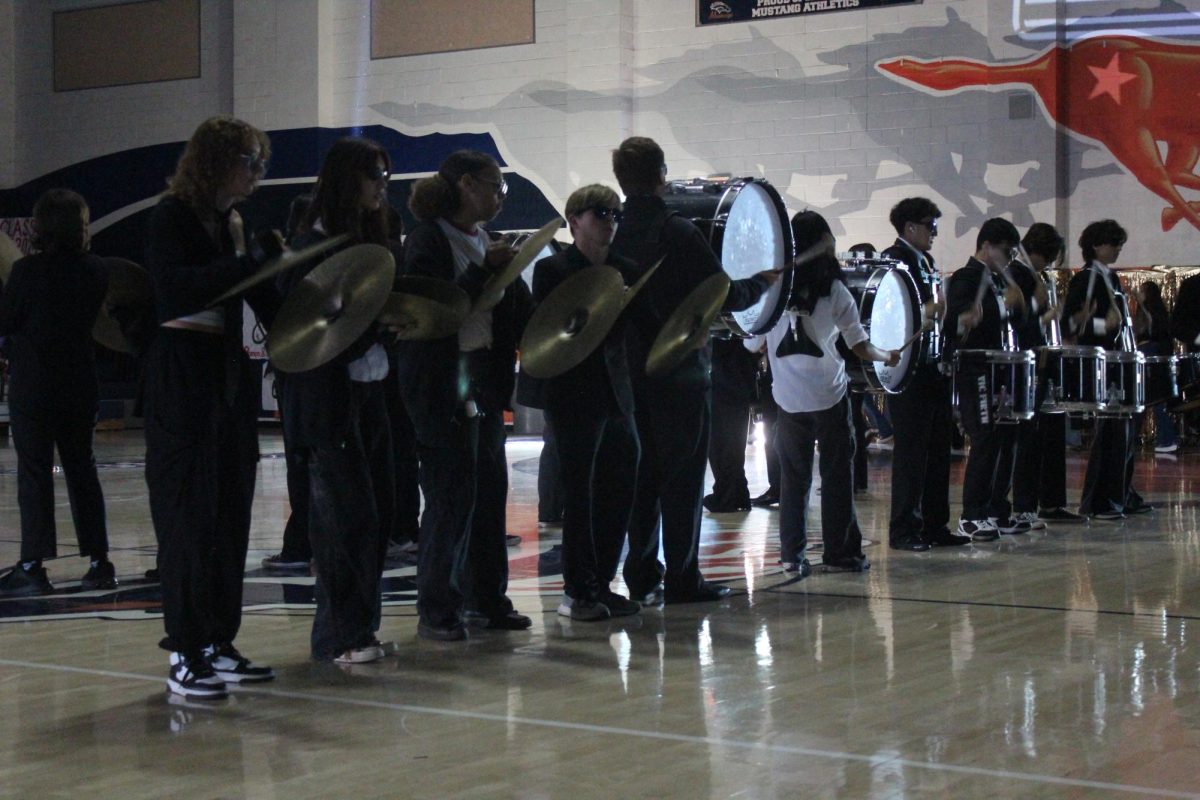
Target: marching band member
x,y
981,304
920,511
337,423
673,411
1095,315
456,390
202,404
810,388
590,406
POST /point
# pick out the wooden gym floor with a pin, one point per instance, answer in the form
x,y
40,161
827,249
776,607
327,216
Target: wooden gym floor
x,y
1057,664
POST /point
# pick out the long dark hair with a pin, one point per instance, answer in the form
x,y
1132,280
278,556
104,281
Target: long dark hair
x,y
217,146
336,199
818,275
1101,232
58,222
437,195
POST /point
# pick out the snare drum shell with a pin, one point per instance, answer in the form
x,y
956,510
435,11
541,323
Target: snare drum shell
x,y
1075,378
1162,379
1125,383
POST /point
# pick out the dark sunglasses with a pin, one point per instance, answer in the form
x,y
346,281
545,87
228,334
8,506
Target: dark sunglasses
x,y
931,224
377,174
255,163
604,212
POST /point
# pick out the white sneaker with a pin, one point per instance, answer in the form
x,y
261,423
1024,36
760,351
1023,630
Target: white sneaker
x,y
1166,448
360,655
1035,522
194,677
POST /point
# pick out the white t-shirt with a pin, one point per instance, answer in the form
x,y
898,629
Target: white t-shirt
x,y
470,248
807,383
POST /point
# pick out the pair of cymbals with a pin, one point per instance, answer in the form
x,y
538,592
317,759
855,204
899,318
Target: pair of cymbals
x,y
331,307
284,262
131,291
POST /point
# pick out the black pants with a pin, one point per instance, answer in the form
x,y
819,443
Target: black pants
x,y
1108,483
35,437
860,439
406,523
296,544
599,456
463,558
727,453
549,479
770,414
921,456
1040,472
989,466
672,425
201,460
350,508
798,433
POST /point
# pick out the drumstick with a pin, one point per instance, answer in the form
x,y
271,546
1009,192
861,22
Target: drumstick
x,y
910,340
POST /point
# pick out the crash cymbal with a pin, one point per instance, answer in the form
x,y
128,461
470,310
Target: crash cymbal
x,y
9,255
427,308
289,259
632,291
572,321
493,290
331,307
129,289
687,327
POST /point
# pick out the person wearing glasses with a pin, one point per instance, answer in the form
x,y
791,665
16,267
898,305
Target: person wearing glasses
x,y
336,422
456,390
980,305
1096,314
591,408
201,403
672,411
921,419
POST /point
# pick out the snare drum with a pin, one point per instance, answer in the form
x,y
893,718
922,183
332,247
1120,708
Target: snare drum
x,y
1162,380
1074,378
747,227
889,308
1011,384
1125,382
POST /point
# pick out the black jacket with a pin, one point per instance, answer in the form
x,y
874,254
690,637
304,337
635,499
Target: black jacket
x,y
926,275
313,403
964,288
1027,326
601,382
648,232
1185,317
429,370
47,311
1086,335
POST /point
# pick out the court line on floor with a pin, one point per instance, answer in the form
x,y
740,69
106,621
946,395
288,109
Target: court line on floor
x,y
584,727
781,589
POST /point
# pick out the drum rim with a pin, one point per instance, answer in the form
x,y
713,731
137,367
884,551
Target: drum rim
x,y
867,304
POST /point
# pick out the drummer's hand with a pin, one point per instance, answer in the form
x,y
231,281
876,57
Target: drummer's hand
x,y
1014,297
237,231
771,275
401,326
934,310
1050,313
893,358
1112,320
1041,295
1082,315
967,320
498,255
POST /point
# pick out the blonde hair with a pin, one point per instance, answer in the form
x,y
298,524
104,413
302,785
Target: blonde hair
x,y
594,194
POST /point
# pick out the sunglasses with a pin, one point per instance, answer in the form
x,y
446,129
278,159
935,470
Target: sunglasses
x,y
377,174
255,163
930,224
604,212
501,185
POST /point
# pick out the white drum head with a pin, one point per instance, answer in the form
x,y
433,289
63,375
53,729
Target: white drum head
x,y
754,240
891,325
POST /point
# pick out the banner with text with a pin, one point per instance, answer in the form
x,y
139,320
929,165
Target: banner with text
x,y
713,12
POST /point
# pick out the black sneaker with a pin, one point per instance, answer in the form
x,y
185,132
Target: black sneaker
x,y
583,610
1059,514
100,576
1140,508
233,667
438,633
1010,525
800,568
706,592
1107,515
21,583
619,605
193,676
765,500
910,543
509,621
947,538
280,564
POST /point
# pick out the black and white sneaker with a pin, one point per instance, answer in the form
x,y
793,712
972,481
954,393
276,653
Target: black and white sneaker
x,y
980,530
193,676
1010,525
233,667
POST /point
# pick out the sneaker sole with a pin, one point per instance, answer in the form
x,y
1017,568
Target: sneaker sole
x,y
600,617
234,677
196,693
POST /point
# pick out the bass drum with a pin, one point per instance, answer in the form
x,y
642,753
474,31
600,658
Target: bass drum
x,y
747,227
889,308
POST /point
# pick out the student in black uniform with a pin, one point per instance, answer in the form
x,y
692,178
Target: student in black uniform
x,y
980,304
202,404
672,410
1040,470
920,510
456,390
734,372
1096,315
47,311
590,406
336,420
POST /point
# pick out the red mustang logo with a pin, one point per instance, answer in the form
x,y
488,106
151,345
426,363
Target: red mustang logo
x,y
1123,92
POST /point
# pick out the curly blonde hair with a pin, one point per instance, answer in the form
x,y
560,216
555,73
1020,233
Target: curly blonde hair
x,y
215,149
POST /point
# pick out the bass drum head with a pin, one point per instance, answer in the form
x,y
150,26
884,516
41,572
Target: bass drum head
x,y
756,236
891,313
